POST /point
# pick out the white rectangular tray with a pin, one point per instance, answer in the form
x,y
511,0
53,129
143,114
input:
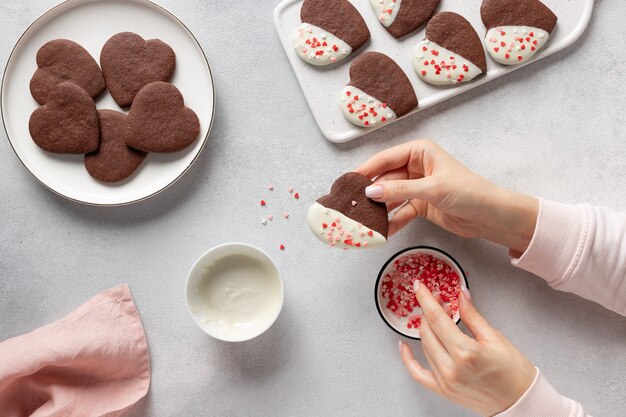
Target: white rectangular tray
x,y
321,85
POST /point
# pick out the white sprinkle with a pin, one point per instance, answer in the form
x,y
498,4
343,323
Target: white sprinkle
x,y
263,222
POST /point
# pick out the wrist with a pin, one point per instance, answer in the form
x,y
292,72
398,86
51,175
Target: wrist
x,y
510,220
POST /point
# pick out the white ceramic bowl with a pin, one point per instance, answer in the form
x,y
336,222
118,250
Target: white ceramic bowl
x,y
399,324
215,315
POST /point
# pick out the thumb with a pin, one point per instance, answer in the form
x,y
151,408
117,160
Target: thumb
x,y
402,190
473,320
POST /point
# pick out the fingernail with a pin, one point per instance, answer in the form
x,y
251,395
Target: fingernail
x,y
416,285
466,293
400,346
374,191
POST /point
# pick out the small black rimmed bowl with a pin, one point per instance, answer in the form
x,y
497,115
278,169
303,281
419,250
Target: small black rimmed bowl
x,y
399,325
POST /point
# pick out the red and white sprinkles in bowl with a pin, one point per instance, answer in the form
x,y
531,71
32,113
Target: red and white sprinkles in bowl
x,y
396,297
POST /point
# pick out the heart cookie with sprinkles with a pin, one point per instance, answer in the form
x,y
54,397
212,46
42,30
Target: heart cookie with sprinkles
x,y
346,218
401,17
330,31
516,29
451,53
113,161
158,120
379,91
67,123
63,60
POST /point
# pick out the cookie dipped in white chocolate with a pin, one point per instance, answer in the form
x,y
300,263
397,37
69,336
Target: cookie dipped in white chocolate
x,y
512,45
364,110
386,10
319,47
439,66
338,230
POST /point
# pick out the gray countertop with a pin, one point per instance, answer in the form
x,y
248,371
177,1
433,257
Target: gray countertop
x,y
555,129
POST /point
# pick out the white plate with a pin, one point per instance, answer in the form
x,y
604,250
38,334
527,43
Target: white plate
x,y
91,23
321,85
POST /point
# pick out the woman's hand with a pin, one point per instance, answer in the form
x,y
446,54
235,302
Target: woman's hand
x,y
424,181
486,374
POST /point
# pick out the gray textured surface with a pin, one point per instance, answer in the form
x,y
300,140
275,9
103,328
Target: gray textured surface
x,y
555,129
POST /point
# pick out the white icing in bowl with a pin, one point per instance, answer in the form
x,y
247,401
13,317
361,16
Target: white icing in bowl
x,y
234,292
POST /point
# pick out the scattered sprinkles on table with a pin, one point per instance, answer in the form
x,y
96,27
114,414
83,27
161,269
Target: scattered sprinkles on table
x,y
512,45
436,274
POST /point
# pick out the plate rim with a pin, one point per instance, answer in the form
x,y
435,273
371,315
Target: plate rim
x,y
122,203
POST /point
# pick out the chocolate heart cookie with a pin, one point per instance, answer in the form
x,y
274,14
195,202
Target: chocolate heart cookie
x,y
346,218
452,52
63,60
330,31
67,123
129,63
379,91
158,120
401,17
114,160
516,29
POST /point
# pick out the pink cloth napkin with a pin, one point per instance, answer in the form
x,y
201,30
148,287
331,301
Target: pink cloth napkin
x,y
94,362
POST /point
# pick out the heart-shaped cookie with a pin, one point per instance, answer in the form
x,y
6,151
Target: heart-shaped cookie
x,y
63,60
346,218
379,91
114,160
129,63
401,17
452,52
158,120
516,29
330,31
67,123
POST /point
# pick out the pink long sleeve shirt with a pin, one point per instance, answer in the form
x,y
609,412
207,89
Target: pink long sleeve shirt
x,y
579,249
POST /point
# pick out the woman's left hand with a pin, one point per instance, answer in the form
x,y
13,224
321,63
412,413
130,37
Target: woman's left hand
x,y
486,374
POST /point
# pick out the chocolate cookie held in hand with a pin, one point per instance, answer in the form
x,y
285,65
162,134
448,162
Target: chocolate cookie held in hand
x,y
114,160
129,63
516,29
346,218
379,91
62,60
451,53
158,120
330,31
401,17
67,123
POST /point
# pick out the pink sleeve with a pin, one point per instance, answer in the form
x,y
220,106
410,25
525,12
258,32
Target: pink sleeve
x,y
542,400
580,249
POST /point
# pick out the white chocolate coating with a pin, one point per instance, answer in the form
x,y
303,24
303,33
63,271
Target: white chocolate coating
x,y
319,47
364,110
440,66
386,10
339,231
512,45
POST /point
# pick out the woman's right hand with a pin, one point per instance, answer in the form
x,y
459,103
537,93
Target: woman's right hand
x,y
425,181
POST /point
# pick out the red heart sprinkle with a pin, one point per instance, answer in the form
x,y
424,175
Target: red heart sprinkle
x,y
370,233
263,202
423,72
496,49
519,58
296,196
282,247
348,93
507,56
324,225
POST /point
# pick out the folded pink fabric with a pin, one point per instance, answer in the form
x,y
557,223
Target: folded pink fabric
x,y
94,362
